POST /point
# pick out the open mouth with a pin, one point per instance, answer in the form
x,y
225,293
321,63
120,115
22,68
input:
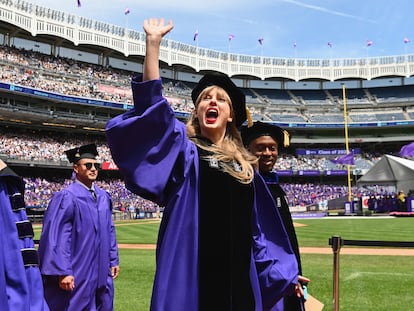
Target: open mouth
x,y
266,161
211,115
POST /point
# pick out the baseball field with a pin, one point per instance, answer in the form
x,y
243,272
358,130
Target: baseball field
x,y
370,279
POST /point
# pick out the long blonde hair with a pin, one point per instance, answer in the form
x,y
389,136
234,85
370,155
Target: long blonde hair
x,y
231,150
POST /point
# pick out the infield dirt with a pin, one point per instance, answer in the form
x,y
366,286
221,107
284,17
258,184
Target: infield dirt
x,y
317,250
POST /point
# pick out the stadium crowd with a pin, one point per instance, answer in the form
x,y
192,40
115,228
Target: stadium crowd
x,y
32,145
39,192
75,78
48,147
69,77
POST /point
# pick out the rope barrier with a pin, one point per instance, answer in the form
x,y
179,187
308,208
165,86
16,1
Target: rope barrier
x,y
337,242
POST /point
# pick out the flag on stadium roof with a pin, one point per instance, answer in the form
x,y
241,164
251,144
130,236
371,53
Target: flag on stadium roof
x,y
260,41
195,35
345,159
406,40
330,44
231,36
407,150
370,42
127,11
79,3
294,44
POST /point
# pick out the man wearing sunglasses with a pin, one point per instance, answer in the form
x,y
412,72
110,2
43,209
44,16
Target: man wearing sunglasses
x,y
78,249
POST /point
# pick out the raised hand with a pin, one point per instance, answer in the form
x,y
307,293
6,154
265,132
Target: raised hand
x,y
155,30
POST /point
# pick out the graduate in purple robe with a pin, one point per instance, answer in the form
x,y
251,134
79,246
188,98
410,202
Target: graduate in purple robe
x,y
78,249
21,287
215,249
264,141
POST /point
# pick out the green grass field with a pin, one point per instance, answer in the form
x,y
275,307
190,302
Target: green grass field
x,y
369,283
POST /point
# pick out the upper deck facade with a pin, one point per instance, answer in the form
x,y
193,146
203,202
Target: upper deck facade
x,y
19,15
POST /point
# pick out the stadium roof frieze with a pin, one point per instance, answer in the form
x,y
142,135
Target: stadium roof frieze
x,y
25,19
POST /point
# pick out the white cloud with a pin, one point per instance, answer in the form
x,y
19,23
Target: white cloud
x,y
326,10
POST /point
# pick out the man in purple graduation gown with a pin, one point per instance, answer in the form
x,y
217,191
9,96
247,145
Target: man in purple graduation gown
x,y
264,141
78,249
21,287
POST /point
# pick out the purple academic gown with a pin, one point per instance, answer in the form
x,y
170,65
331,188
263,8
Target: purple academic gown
x,y
78,238
21,287
160,163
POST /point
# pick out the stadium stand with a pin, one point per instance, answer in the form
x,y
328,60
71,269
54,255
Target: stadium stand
x,y
51,102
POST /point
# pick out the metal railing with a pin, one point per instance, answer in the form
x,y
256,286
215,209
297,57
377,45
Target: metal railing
x,y
337,242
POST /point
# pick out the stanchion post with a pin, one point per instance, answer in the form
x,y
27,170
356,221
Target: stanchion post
x,y
336,247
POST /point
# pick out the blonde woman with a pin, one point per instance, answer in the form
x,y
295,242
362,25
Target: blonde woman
x,y
215,249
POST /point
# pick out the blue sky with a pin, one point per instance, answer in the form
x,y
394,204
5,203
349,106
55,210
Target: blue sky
x,y
347,24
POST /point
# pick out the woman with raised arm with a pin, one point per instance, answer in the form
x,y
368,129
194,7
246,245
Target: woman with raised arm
x,y
221,244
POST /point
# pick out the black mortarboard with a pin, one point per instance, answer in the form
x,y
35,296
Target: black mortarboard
x,y
259,129
82,152
238,99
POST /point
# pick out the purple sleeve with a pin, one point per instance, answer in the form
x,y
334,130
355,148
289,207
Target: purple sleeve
x,y
21,288
149,144
113,252
13,283
55,240
275,260
159,163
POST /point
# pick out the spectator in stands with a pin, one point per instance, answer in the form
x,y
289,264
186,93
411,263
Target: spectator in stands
x,y
21,285
211,250
264,140
78,249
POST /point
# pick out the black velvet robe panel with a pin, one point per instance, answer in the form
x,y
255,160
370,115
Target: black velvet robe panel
x,y
225,240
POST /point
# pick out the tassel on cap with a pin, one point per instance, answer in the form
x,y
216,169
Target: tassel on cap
x,y
286,139
249,118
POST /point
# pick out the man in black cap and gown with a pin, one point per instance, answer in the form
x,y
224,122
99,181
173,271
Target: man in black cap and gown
x,y
264,140
78,249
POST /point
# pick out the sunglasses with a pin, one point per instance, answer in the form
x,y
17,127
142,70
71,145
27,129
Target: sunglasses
x,y
89,165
